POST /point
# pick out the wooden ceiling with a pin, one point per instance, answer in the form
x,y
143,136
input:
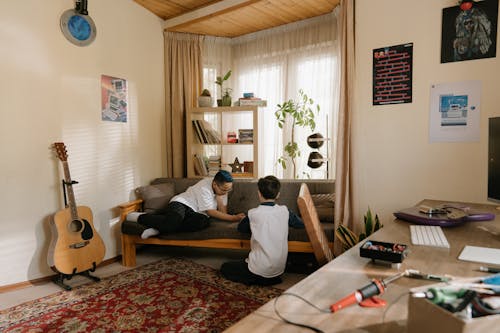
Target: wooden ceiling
x,y
232,18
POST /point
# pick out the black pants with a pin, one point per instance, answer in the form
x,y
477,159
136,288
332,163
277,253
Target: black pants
x,y
176,217
238,271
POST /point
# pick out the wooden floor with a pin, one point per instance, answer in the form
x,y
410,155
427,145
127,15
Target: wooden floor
x,y
209,257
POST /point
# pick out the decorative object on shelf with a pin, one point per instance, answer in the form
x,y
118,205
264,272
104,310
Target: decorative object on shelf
x,y
226,99
77,26
220,81
205,99
231,137
236,166
302,115
348,238
248,95
248,166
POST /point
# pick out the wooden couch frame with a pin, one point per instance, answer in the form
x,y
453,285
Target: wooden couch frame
x,y
130,242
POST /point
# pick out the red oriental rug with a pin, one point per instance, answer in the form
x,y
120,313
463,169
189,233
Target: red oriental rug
x,y
170,295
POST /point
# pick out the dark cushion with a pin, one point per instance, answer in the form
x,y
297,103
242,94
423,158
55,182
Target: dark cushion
x,y
221,229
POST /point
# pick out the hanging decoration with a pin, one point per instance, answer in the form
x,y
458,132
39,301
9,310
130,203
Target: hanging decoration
x,y
77,26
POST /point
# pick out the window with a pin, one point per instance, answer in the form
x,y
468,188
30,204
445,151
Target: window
x,y
274,65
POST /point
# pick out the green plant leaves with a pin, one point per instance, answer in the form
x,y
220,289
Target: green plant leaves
x,y
347,236
302,115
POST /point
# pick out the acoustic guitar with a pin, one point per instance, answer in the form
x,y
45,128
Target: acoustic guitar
x,y
77,247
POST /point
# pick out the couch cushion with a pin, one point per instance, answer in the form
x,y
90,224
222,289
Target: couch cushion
x,y
156,196
325,205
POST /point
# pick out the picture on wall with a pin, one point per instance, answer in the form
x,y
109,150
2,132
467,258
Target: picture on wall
x,y
469,31
113,99
392,74
455,112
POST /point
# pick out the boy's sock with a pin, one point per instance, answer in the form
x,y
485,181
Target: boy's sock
x,y
150,232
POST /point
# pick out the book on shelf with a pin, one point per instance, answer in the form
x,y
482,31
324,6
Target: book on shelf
x,y
200,168
213,164
252,101
245,135
212,135
200,135
205,133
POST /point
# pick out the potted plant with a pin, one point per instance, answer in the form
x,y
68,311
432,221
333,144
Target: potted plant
x,y
348,238
205,99
220,81
301,114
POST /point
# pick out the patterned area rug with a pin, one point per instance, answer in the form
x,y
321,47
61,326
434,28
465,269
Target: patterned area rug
x,y
170,295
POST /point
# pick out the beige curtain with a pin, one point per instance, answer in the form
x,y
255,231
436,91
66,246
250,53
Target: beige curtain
x,y
343,179
183,73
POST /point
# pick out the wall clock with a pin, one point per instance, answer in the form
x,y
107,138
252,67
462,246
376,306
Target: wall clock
x,y
77,26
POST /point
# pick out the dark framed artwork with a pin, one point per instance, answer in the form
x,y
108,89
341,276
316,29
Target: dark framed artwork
x,y
469,34
392,74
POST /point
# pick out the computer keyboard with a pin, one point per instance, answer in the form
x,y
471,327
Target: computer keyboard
x,y
428,235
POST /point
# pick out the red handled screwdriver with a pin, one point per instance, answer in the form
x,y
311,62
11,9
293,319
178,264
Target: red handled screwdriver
x,y
376,287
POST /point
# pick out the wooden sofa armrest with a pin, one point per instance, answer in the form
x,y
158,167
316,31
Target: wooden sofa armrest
x,y
128,207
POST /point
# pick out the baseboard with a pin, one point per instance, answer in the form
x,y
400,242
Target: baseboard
x,y
45,279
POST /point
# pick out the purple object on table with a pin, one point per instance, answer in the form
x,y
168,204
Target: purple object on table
x,y
414,215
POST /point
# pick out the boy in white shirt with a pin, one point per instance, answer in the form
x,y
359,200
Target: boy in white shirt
x,y
191,210
269,242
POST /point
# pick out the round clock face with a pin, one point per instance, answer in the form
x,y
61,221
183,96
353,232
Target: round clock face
x,y
78,29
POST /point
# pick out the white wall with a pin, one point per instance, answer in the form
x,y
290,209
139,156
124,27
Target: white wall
x,y
50,91
395,165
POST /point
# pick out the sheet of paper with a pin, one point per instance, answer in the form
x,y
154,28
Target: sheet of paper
x,y
480,254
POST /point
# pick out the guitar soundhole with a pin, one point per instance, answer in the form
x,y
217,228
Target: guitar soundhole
x,y
75,226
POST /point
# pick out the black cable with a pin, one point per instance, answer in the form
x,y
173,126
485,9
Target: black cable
x,y
295,323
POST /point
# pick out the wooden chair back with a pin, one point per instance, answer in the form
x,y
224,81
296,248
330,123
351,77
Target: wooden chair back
x,y
314,230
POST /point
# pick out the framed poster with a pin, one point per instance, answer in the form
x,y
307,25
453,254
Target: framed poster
x,y
392,74
469,34
114,99
455,112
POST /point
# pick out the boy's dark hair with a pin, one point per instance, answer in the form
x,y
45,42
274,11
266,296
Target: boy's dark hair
x,y
223,176
269,187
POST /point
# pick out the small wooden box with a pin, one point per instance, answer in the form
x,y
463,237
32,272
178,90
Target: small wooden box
x,y
425,316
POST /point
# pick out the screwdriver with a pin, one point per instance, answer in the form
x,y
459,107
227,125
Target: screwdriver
x,y
376,287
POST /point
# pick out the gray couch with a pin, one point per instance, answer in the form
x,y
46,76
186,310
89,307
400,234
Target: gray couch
x,y
222,234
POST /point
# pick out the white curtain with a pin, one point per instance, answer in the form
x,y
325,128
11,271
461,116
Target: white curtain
x,y
274,64
217,60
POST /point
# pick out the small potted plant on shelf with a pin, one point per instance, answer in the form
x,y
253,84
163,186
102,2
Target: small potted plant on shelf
x,y
205,99
220,81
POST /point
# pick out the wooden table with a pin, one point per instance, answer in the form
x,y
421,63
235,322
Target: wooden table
x,y
350,272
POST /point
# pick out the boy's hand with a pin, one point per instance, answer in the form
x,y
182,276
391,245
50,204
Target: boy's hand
x,y
238,217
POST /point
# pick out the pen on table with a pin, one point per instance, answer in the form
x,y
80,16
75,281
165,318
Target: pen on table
x,y
413,273
489,269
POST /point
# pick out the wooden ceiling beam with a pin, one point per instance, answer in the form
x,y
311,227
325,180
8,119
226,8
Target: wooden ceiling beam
x,y
206,12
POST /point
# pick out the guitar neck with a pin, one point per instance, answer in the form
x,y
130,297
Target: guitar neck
x,y
69,188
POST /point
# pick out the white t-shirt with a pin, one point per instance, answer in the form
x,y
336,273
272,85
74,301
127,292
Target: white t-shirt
x,y
200,197
269,242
